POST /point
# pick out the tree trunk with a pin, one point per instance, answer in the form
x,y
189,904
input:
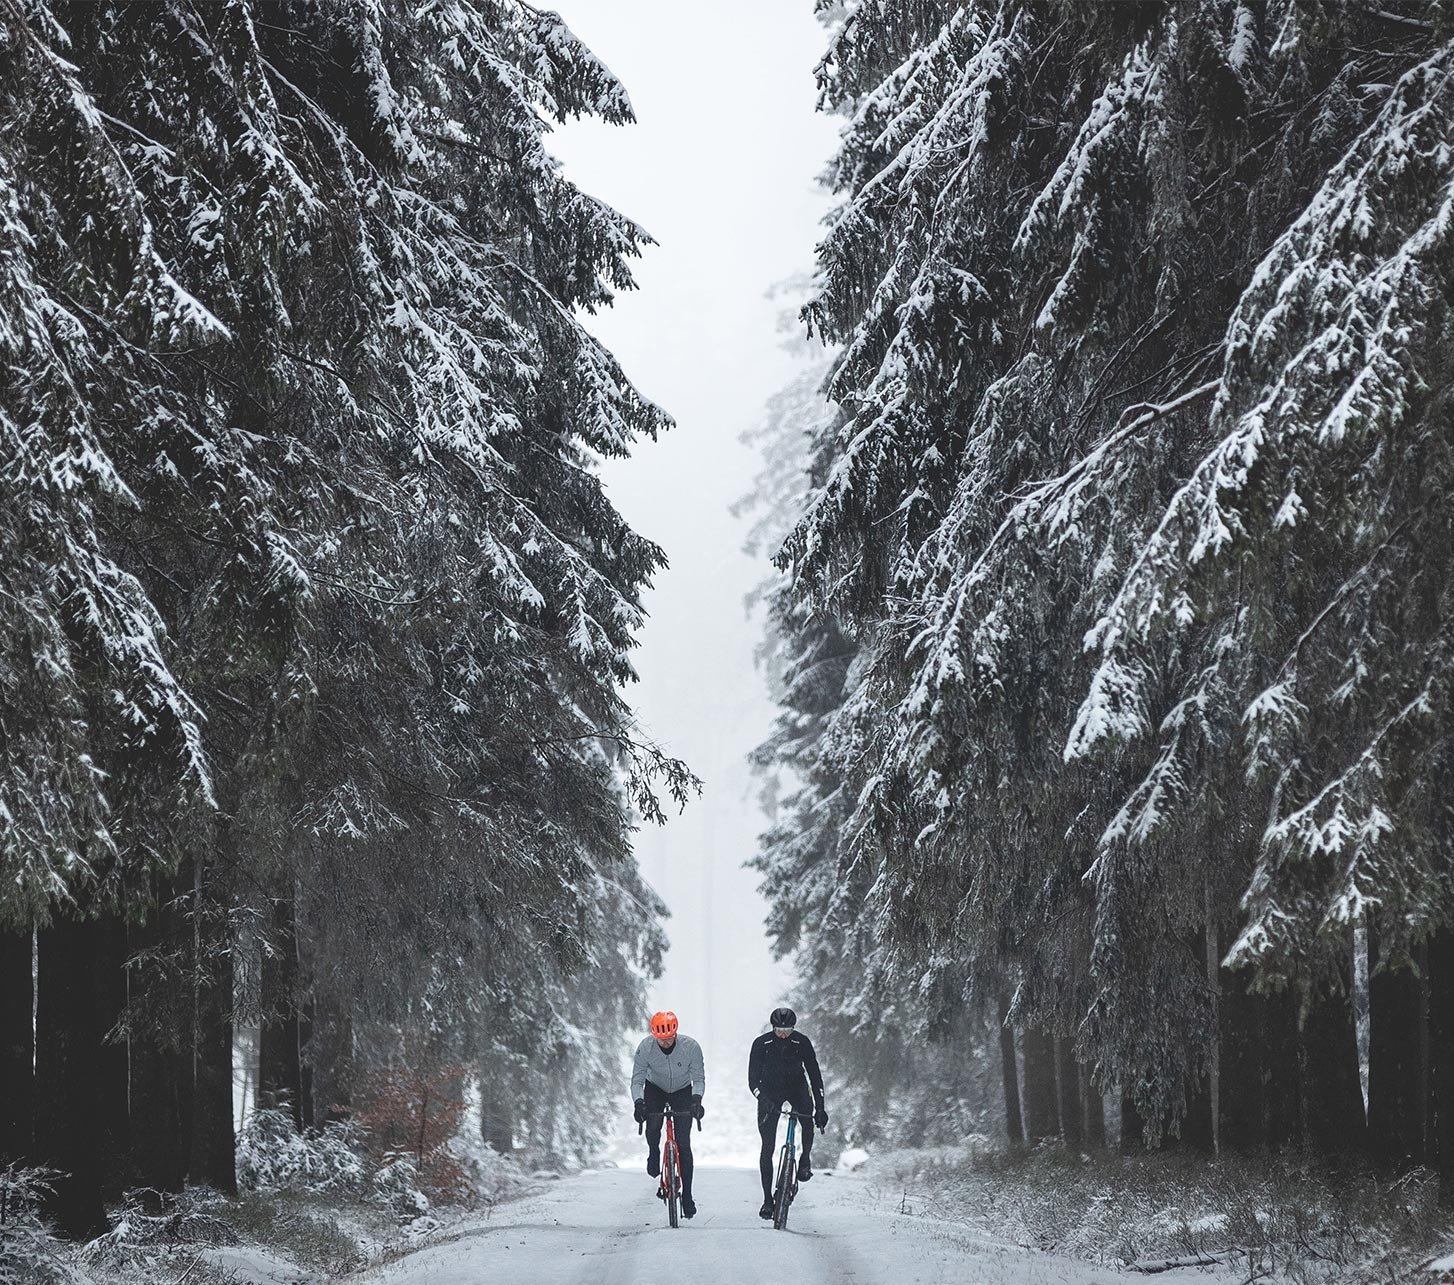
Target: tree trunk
x,y
1397,1084
1283,1089
1040,1106
1042,1114
112,1145
495,1125
17,1044
1441,1072
307,1082
279,1044
1093,1111
158,1035
1196,1132
1067,1089
1241,1036
1010,1079
1332,1093
1132,1141
1213,955
212,1161
1197,1128
328,1061
69,1085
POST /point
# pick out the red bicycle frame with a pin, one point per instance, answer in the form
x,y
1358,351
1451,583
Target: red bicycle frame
x,y
669,1189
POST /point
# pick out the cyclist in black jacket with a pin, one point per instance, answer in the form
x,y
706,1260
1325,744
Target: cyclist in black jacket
x,y
782,1067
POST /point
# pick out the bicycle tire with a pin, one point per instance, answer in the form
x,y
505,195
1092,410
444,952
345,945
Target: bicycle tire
x,y
673,1189
782,1193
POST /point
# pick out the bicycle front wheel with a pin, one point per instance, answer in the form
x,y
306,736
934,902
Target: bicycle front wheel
x,y
673,1187
783,1192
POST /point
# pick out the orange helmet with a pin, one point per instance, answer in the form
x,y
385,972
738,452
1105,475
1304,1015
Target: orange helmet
x,y
664,1025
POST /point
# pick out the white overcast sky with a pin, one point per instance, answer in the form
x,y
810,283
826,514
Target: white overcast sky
x,y
721,169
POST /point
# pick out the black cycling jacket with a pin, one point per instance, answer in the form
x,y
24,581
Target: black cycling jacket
x,y
776,1068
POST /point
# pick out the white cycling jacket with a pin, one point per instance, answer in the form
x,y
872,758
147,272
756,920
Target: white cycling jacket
x,y
670,1072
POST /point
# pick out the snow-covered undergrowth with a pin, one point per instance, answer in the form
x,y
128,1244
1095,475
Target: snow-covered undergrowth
x,y
28,1255
1269,1219
313,1206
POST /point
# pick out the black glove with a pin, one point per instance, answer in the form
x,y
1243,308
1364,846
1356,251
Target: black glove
x,y
697,1106
640,1111
820,1116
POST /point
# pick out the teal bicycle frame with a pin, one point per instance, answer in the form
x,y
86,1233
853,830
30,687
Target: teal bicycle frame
x,y
787,1172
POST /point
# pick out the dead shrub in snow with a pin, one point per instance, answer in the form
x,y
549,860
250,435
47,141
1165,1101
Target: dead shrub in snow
x,y
411,1112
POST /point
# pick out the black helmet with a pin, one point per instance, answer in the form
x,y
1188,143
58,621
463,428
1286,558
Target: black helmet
x,y
783,1017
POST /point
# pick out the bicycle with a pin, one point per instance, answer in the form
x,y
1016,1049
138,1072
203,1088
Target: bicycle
x,y
670,1187
786,1187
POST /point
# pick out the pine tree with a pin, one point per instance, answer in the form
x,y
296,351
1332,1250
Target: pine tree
x,y
1133,508
319,608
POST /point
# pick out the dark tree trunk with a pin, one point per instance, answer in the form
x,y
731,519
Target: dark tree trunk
x,y
159,1026
1132,1141
1283,1087
159,1116
113,1143
1397,1084
1042,1113
499,1110
280,1067
307,1080
1196,1131
1010,1079
495,1122
1197,1128
1332,1092
17,1044
1067,1089
328,1062
1441,1072
1093,1111
213,1151
70,1089
1428,1150
1242,1032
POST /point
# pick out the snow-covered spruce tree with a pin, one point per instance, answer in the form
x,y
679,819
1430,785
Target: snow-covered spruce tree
x,y
1102,278
882,1083
310,424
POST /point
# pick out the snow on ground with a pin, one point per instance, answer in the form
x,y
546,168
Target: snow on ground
x,y
249,1265
607,1228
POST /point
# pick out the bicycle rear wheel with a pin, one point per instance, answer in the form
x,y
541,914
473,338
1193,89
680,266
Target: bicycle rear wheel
x,y
783,1192
673,1187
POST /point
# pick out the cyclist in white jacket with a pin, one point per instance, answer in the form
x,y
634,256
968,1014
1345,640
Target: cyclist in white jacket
x,y
668,1075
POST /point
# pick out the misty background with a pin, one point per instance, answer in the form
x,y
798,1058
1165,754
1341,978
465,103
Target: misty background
x,y
719,169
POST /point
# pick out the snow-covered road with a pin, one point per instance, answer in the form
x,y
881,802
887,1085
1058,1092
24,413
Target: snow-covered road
x,y
606,1228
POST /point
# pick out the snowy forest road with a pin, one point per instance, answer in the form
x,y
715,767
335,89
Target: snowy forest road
x,y
605,1228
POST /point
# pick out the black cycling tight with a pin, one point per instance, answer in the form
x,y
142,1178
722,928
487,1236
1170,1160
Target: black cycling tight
x,y
767,1127
680,1105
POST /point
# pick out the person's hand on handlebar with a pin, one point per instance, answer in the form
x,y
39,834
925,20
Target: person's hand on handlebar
x,y
820,1116
697,1109
640,1112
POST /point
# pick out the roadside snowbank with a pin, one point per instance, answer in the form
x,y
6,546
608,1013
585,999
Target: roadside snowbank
x,y
1271,1218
